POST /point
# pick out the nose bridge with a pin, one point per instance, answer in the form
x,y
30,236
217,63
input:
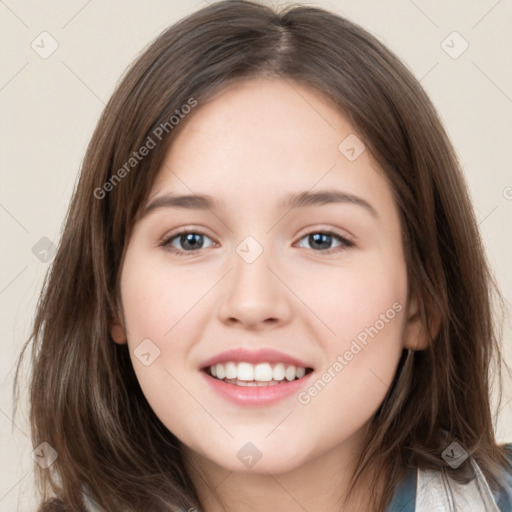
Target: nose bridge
x,y
251,273
253,293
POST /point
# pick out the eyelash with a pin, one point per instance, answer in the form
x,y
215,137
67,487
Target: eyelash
x,y
345,244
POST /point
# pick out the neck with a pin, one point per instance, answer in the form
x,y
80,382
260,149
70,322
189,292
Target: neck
x,y
320,483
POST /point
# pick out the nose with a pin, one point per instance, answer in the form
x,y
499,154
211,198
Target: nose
x,y
254,295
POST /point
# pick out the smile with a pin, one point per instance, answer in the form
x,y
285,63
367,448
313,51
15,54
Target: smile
x,y
261,374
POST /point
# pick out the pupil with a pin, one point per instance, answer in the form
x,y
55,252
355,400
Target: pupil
x,y
317,238
189,239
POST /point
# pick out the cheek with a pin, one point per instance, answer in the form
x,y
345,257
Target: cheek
x,y
170,307
161,307
157,298
363,308
344,301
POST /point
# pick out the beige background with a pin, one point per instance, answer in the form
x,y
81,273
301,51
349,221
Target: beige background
x,y
49,108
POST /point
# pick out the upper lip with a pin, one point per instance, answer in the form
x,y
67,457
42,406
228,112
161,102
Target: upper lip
x,y
241,354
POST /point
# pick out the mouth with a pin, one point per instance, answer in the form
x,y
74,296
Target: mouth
x,y
246,374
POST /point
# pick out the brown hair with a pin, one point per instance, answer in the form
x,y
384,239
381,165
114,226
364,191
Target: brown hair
x,y
84,396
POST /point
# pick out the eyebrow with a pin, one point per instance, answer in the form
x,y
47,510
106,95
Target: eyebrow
x,y
295,200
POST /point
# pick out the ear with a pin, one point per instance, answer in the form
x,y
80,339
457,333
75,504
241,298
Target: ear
x,y
117,333
417,335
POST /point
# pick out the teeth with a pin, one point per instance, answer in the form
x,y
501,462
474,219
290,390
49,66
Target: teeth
x,y
301,372
231,371
253,383
290,373
254,374
220,371
263,372
244,371
279,371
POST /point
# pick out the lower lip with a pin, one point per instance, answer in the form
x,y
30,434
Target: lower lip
x,y
256,395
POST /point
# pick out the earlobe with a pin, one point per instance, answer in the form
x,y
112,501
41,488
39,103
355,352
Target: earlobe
x,y
117,333
416,334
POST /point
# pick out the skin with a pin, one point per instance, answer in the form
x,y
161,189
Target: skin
x,y
249,146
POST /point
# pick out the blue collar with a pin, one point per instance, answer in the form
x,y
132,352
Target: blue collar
x,y
404,499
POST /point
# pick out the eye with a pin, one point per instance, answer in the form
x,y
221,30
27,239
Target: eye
x,y
191,241
319,239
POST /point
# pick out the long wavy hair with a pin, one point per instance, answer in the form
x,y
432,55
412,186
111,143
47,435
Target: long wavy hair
x,y
85,400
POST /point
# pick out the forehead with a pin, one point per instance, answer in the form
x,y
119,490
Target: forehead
x,y
271,112
258,139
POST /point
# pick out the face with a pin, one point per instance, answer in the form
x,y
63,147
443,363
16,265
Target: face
x,y
321,282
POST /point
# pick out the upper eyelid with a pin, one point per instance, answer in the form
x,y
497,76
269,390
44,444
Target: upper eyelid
x,y
184,231
308,229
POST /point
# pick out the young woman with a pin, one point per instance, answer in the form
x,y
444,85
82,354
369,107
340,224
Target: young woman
x,y
270,292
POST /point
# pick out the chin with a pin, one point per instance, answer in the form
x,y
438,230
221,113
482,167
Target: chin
x,y
274,461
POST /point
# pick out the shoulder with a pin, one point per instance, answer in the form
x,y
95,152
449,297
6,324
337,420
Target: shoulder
x,y
435,491
504,496
429,491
